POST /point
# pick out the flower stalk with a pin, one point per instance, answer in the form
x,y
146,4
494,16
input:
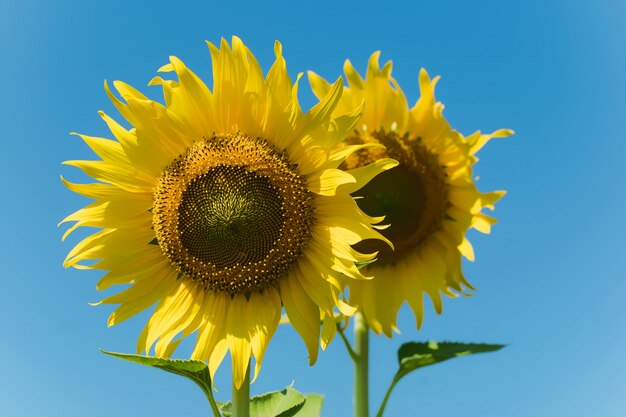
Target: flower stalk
x,y
241,397
361,366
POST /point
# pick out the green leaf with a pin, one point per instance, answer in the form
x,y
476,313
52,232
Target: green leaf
x,y
312,406
197,371
415,355
285,403
194,370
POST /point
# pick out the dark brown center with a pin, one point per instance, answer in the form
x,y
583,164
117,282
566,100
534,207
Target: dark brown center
x,y
413,196
232,213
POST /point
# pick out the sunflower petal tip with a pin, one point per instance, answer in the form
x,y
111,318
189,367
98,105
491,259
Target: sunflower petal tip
x,y
212,48
376,327
174,60
224,44
373,61
418,322
166,68
385,71
389,163
278,49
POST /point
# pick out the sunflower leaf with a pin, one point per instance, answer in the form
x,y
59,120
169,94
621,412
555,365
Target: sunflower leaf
x,y
197,371
312,406
286,403
415,355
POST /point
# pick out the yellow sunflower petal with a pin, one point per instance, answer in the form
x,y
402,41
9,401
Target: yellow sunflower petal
x,y
238,338
329,329
365,173
303,314
263,315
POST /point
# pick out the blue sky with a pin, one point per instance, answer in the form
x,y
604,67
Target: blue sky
x,y
550,277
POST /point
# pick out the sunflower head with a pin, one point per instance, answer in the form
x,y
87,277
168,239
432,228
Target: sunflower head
x,y
430,198
223,205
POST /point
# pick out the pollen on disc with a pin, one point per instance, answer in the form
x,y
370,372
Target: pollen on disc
x,y
230,215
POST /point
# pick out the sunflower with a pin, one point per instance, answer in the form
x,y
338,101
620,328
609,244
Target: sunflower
x,y
223,206
430,199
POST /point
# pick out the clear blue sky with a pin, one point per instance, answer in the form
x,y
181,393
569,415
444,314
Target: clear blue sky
x,y
551,277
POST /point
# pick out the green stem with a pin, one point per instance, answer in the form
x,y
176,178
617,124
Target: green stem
x,y
241,397
346,342
209,395
361,365
381,409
